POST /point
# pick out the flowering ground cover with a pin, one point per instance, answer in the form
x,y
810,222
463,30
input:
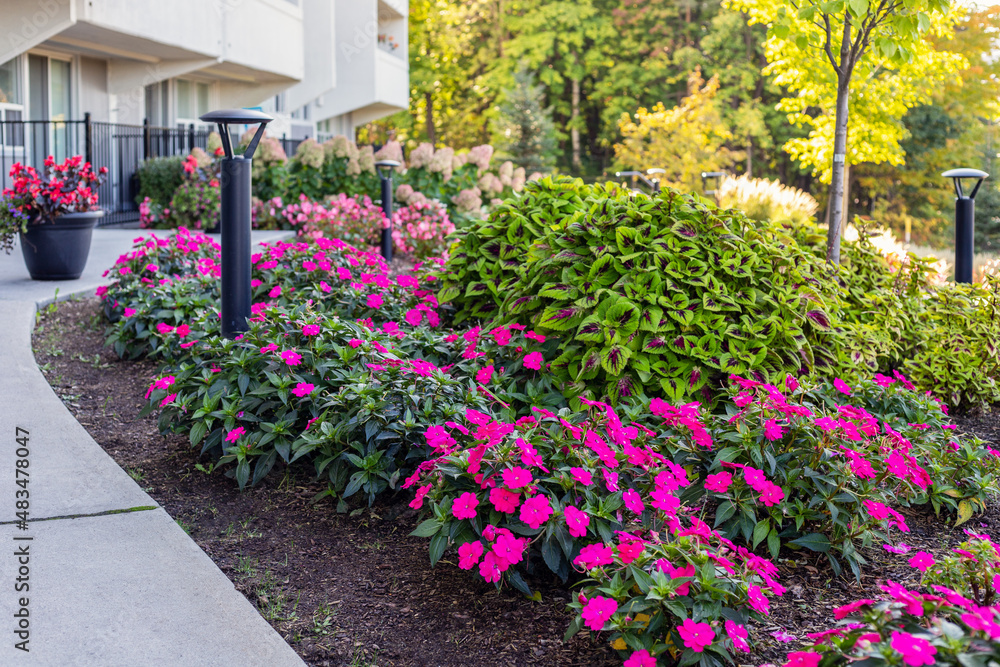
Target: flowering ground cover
x,y
355,590
664,517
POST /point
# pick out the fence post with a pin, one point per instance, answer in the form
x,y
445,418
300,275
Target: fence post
x,y
190,137
147,140
88,139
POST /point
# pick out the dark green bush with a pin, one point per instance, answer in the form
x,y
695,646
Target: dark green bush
x,y
158,178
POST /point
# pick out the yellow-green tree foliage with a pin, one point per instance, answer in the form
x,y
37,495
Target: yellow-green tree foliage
x,y
685,140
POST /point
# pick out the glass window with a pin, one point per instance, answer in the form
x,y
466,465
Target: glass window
x,y
203,99
10,82
185,99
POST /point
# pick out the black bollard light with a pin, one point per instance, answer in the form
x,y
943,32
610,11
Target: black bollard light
x,y
385,168
235,180
965,217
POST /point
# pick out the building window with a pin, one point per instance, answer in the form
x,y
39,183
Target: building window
x,y
50,98
158,104
11,104
192,101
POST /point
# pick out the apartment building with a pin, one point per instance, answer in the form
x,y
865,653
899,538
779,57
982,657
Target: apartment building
x,y
331,64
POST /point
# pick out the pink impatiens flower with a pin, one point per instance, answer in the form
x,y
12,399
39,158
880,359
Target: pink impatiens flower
x,y
803,659
582,476
533,361
469,554
758,600
489,568
594,555
535,511
923,560
275,292
577,521
719,482
375,301
129,312
696,636
484,375
899,549
597,611
516,478
771,494
163,328
235,434
303,389
915,651
773,430
418,500
504,501
291,357
182,330
464,506
641,658
841,386
633,501
311,329
738,634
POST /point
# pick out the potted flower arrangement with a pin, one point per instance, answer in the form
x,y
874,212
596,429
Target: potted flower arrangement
x,y
54,215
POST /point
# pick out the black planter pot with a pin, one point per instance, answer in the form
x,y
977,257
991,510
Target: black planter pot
x,y
58,250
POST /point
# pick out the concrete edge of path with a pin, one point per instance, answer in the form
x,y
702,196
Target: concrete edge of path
x,y
114,580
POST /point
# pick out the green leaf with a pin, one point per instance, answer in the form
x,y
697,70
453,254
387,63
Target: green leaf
x,y
438,544
427,528
813,542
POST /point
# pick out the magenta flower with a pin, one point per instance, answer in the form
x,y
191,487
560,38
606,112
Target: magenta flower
x,y
508,550
168,399
504,501
900,549
848,609
235,434
719,482
597,611
291,357
129,312
594,555
803,659
640,658
841,386
534,361
923,560
270,347
677,573
303,389
484,375
469,554
418,500
464,506
581,476
758,600
311,329
535,511
876,510
488,569
771,494
629,550
182,330
163,328
516,478
633,501
375,301
754,478
275,292
738,634
577,521
696,636
783,636
915,651
414,317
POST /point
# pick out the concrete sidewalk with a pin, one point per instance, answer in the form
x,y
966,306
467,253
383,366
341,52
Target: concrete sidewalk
x,y
100,574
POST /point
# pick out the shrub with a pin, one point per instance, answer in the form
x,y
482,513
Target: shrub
x,y
587,493
764,200
422,229
194,204
825,468
355,220
270,171
158,179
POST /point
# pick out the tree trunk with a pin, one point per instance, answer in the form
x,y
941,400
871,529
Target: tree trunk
x,y
574,133
429,117
750,158
837,181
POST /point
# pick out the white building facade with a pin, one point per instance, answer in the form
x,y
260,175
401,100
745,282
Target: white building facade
x,y
324,66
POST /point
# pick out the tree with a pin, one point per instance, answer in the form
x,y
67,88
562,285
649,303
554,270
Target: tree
x,y
863,47
685,140
523,130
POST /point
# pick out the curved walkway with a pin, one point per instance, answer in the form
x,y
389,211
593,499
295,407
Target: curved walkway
x,y
100,574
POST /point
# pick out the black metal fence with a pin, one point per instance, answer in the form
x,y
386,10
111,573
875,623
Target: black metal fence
x,y
119,147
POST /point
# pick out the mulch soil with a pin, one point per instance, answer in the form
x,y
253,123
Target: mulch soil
x,y
355,589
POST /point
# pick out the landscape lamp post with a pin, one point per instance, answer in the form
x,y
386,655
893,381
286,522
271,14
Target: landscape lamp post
x,y
385,168
965,216
654,177
235,178
717,175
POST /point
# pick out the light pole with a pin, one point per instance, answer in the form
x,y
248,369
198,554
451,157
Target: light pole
x,y
965,217
385,168
235,180
717,175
